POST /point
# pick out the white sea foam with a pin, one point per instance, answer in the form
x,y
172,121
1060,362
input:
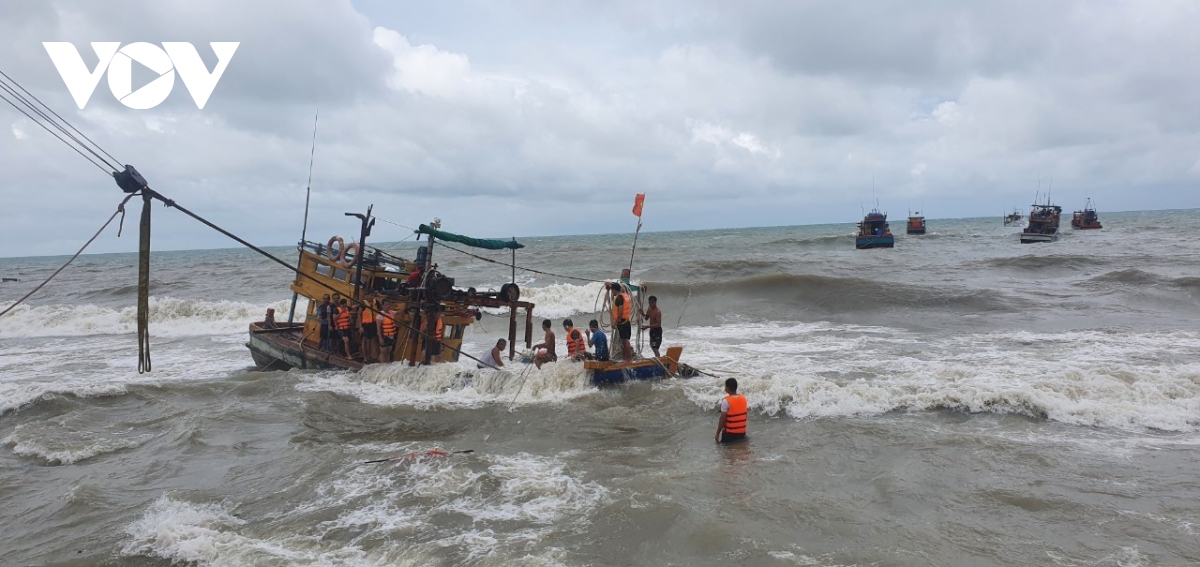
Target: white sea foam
x,y
100,366
1090,378
54,445
560,300
448,385
169,317
406,513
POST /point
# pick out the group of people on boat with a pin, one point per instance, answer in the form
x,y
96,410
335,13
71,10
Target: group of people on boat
x,y
578,341
355,333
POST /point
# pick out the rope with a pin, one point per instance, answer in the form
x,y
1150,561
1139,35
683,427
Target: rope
x,y
524,375
64,121
143,306
120,211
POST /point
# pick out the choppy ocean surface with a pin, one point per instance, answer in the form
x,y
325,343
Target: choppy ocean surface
x,y
961,399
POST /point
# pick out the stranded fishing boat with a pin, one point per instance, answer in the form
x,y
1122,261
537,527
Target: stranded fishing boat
x,y
1043,223
916,223
1087,218
427,313
873,232
1013,218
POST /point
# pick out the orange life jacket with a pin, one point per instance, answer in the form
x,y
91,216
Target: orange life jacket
x,y
343,319
620,313
735,418
368,316
575,343
437,333
389,326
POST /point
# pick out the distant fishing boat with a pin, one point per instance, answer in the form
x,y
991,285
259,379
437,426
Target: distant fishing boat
x,y
1014,218
1043,223
873,232
1087,218
916,223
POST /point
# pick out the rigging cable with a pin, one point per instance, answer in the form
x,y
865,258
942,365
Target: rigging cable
x,y
539,272
64,121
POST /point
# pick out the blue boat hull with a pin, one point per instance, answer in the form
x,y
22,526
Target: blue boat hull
x,y
882,241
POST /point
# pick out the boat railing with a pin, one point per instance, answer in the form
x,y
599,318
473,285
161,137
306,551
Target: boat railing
x,y
372,256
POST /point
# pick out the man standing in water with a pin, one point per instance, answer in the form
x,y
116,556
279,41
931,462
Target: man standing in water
x,y
734,410
655,324
494,358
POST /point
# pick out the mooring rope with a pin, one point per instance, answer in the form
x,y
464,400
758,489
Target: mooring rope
x,y
120,211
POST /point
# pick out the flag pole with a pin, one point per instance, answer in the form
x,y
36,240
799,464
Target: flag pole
x,y
637,210
634,250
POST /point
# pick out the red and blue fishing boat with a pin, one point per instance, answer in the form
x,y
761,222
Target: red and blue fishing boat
x,y
1087,218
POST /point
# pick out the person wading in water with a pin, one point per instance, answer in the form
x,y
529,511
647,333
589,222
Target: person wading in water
x,y
732,425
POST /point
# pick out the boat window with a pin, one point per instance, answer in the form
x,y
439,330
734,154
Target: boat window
x,y
323,269
339,274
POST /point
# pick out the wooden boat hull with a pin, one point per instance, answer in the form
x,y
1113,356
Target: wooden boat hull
x,y
281,349
877,241
1032,238
645,369
917,230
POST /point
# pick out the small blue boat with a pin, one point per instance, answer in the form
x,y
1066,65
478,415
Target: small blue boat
x,y
873,232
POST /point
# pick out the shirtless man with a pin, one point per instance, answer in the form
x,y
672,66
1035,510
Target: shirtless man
x,y
654,315
546,354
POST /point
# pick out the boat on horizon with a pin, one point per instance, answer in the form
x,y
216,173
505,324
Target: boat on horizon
x,y
1043,223
873,232
916,223
1087,218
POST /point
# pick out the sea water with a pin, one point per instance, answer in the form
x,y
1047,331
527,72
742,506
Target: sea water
x,y
961,399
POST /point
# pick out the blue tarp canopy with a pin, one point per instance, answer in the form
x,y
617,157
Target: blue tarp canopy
x,y
467,240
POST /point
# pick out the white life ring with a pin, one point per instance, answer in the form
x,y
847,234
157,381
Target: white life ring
x,y
346,261
341,250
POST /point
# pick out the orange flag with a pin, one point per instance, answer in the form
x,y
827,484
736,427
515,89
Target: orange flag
x,y
637,204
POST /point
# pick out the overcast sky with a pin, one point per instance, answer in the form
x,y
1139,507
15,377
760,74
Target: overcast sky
x,y
546,117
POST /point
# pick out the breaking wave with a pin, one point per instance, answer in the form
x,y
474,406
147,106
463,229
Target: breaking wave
x,y
168,317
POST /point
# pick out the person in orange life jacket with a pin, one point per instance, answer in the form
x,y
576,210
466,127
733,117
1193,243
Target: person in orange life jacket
x,y
576,344
546,354
433,343
342,322
734,411
368,329
654,315
621,310
386,323
493,358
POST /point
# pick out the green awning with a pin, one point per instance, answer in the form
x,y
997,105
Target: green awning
x,y
475,242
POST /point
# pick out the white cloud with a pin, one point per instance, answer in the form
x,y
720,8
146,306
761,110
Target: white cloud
x,y
522,119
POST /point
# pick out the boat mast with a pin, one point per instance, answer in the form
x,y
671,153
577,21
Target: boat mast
x,y
307,195
367,222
